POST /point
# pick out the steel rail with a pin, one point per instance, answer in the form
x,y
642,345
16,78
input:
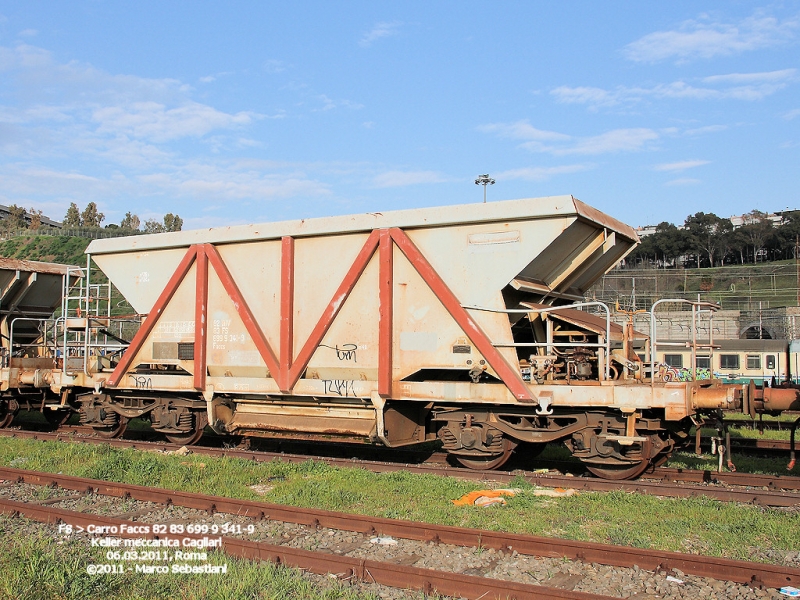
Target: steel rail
x,y
345,567
620,556
774,495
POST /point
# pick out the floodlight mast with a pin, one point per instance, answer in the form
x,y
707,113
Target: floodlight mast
x,y
484,180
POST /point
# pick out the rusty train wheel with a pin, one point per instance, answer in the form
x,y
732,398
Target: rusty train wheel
x,y
8,410
113,431
624,470
491,461
193,436
621,472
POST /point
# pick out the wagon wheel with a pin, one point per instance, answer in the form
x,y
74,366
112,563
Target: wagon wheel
x,y
490,461
193,436
622,471
619,472
56,418
113,431
8,410
6,416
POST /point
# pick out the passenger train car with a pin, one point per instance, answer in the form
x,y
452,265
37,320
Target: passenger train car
x,y
766,362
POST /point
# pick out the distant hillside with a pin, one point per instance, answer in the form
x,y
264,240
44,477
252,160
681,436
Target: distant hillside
x,y
56,249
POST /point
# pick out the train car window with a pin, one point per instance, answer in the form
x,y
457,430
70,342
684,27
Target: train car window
x,y
674,360
728,361
770,361
703,362
754,361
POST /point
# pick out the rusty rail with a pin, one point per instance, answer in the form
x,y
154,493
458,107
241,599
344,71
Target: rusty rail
x,y
620,556
774,495
370,571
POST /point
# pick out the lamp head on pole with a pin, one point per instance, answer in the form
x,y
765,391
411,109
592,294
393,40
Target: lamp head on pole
x,y
484,180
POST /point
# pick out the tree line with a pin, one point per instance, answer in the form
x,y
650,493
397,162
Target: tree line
x,y
706,240
91,217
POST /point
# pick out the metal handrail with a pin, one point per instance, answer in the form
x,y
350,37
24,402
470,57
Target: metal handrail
x,y
520,311
11,332
697,308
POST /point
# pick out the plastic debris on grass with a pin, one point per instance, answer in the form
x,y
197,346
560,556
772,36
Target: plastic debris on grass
x,y
555,492
497,497
486,497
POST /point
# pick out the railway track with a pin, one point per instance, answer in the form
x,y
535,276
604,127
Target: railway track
x,y
500,564
763,490
754,424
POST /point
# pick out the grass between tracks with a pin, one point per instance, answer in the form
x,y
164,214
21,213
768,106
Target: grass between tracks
x,y
37,564
697,525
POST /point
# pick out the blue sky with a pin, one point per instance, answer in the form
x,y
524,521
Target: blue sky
x,y
236,112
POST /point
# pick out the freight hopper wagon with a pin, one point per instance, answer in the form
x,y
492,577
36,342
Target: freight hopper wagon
x,y
457,323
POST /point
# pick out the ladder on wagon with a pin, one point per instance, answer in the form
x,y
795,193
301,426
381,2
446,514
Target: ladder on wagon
x,y
86,343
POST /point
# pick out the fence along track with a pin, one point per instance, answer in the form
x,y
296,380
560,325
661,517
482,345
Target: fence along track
x,y
760,574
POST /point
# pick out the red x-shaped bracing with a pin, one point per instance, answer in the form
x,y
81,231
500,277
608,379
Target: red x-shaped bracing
x,y
283,368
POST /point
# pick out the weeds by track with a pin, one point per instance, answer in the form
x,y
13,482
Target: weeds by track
x,y
393,574
764,490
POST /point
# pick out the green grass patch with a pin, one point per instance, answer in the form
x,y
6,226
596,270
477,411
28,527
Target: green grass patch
x,y
37,564
696,524
67,250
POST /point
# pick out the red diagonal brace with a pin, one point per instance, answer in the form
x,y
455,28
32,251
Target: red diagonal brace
x,y
509,376
249,321
386,310
201,320
330,312
287,307
152,318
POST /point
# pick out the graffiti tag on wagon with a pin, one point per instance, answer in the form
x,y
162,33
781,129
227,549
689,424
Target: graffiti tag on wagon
x,y
668,373
343,352
340,387
141,382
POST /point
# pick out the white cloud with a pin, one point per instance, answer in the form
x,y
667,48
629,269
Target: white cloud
x,y
330,104
210,181
705,38
28,33
681,165
705,129
403,178
792,114
584,95
274,66
560,144
740,86
522,130
684,181
156,122
540,173
379,31
123,134
617,140
752,77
